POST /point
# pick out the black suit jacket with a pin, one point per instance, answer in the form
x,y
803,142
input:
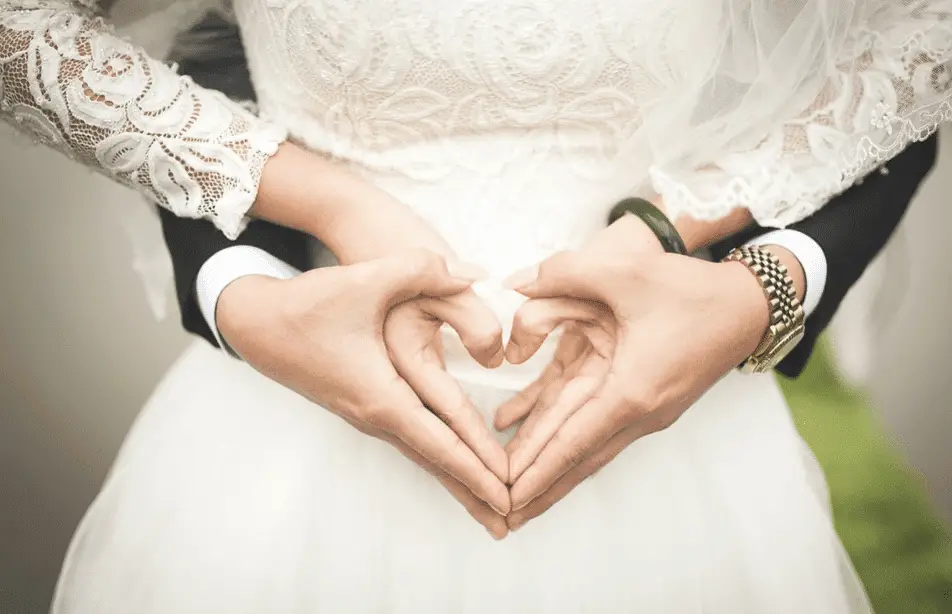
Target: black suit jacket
x,y
851,229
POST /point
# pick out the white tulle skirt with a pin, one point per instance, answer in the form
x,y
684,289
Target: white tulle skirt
x,y
233,495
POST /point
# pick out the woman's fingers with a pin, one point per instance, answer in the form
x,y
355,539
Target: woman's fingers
x,y
414,273
430,437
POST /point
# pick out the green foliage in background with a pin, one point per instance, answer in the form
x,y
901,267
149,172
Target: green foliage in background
x,y
901,549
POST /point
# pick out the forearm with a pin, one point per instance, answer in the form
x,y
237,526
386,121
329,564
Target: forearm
x,y
698,234
353,218
75,86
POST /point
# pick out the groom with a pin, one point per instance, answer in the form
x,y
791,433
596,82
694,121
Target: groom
x,y
833,247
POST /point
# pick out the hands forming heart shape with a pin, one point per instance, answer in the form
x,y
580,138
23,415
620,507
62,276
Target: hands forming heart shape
x,y
645,334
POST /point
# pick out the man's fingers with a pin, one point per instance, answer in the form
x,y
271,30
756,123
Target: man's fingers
x,y
573,478
564,274
536,319
429,436
441,393
474,322
416,272
585,431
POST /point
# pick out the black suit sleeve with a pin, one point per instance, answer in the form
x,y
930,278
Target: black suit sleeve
x,y
852,229
211,53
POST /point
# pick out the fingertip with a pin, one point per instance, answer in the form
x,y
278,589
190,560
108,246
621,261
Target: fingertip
x,y
521,280
496,360
514,353
466,271
516,521
502,502
500,356
501,466
519,494
517,466
501,421
498,530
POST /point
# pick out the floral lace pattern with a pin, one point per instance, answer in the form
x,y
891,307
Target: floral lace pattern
x,y
66,80
894,88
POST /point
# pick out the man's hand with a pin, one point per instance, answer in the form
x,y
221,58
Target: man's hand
x,y
652,332
321,335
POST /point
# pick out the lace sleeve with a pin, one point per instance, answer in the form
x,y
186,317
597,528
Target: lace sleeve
x,y
892,87
68,81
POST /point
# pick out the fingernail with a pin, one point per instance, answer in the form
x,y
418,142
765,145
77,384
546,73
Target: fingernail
x,y
516,469
499,510
522,278
516,523
518,504
466,271
498,357
513,353
495,536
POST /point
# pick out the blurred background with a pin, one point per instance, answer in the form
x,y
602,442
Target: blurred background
x,y
80,352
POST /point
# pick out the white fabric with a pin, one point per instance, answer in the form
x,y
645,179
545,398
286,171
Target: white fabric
x,y
226,266
811,257
232,494
773,106
513,126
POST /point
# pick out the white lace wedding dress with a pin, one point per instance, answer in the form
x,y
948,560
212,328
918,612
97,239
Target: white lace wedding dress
x,y
512,126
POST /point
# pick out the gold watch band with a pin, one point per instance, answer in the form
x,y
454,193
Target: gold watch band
x,y
786,325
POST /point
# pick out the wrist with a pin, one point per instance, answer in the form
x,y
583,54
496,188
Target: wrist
x,y
749,306
303,190
242,306
784,327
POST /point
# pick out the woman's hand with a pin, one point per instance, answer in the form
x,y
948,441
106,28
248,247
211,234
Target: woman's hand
x,y
659,330
321,335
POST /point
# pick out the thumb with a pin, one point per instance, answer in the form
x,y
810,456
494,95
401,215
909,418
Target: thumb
x,y
566,274
420,272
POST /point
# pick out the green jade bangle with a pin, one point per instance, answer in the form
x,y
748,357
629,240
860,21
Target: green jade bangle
x,y
654,219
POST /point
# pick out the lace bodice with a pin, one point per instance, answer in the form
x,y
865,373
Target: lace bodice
x,y
414,87
525,104
70,83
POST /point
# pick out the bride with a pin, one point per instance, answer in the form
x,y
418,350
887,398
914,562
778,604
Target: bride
x,y
496,135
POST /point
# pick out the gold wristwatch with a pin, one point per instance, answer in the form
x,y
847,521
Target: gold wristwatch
x,y
786,313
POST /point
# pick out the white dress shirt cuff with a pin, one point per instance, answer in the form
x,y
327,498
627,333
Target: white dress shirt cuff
x,y
811,258
225,267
